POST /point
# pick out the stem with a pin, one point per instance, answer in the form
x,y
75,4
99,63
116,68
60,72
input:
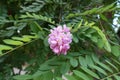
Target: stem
x,y
113,42
101,26
25,20
18,47
110,76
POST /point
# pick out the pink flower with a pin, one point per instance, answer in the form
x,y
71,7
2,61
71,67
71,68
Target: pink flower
x,y
60,39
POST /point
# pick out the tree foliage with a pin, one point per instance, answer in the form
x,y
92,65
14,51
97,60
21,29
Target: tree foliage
x,y
24,30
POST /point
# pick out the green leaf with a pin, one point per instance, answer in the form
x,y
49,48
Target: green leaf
x,y
93,11
90,31
82,61
95,58
41,35
106,43
69,77
5,47
35,27
46,42
77,26
28,14
39,17
73,62
12,42
107,46
22,77
88,35
74,54
90,72
29,36
75,39
117,77
48,75
116,50
99,69
81,75
39,27
89,60
65,67
59,78
109,78
105,67
44,67
1,52
94,39
100,43
25,39
38,73
112,65
103,17
116,61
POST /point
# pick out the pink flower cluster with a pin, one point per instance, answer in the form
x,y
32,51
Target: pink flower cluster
x,y
60,39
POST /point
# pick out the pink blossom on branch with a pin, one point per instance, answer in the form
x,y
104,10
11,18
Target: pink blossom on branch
x,y
60,39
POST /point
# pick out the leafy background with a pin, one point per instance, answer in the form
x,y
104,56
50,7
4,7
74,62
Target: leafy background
x,y
24,29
